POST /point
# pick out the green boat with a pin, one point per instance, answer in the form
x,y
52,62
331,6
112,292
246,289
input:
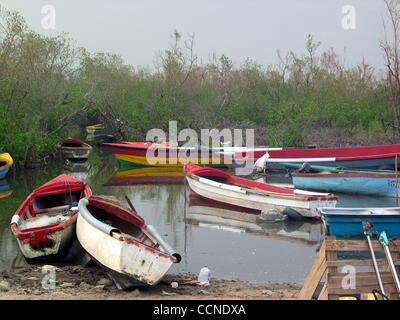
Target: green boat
x,y
100,138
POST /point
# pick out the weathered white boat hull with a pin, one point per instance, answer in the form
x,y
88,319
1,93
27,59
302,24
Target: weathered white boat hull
x,y
256,201
61,240
132,259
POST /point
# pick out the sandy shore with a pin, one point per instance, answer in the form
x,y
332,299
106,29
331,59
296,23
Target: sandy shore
x,y
91,283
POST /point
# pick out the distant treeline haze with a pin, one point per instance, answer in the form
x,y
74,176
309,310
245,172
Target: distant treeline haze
x,y
48,86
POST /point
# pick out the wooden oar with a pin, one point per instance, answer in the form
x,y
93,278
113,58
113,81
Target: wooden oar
x,y
130,203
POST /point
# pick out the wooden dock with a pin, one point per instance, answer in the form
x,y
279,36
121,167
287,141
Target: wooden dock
x,y
350,255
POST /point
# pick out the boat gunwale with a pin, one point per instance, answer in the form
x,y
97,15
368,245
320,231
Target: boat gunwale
x,y
108,229
302,155
50,227
240,182
363,212
345,174
134,145
6,157
21,233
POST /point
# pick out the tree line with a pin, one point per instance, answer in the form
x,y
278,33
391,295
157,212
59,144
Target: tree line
x,y
48,86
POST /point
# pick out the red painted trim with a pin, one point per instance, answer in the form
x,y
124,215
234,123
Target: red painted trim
x,y
341,154
74,141
133,241
140,149
115,208
209,173
38,237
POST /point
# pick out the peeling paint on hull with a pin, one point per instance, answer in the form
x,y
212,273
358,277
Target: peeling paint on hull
x,y
132,259
59,240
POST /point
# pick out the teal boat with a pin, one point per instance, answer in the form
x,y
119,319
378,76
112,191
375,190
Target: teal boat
x,y
292,166
378,184
347,223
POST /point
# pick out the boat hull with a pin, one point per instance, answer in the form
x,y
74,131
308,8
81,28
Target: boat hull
x,y
384,185
46,242
7,162
370,157
74,149
347,222
304,207
131,259
141,154
371,164
44,224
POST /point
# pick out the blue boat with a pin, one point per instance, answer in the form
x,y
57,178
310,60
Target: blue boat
x,y
311,168
346,223
5,163
364,183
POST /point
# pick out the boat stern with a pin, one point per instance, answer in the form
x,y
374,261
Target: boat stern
x,y
150,264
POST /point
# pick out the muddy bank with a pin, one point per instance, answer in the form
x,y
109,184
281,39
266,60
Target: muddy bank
x,y
91,283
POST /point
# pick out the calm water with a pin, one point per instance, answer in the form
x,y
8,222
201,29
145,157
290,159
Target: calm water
x,y
232,249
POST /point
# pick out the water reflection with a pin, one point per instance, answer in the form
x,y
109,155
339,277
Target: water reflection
x,y
147,175
362,201
233,245
5,189
77,165
203,213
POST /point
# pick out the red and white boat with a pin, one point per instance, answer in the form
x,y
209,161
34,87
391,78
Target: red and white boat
x,y
220,186
370,157
118,239
74,149
44,224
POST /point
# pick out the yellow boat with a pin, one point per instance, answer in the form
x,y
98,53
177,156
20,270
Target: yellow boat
x,y
5,163
93,128
141,154
148,175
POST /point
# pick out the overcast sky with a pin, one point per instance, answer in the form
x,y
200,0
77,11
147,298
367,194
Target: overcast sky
x,y
138,29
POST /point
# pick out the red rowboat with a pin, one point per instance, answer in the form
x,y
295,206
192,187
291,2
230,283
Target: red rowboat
x,y
74,149
220,186
44,224
370,157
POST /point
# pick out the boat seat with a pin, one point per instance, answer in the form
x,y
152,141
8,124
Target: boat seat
x,y
53,210
142,238
44,220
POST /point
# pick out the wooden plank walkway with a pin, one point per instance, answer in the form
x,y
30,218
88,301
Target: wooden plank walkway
x,y
357,276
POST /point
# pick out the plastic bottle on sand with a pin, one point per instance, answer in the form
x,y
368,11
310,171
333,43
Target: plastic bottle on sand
x,y
204,275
